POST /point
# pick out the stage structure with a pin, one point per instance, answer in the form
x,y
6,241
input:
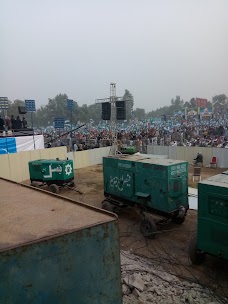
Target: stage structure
x,y
4,105
30,107
118,111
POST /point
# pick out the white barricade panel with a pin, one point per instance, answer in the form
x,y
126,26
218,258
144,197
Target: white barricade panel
x,y
26,143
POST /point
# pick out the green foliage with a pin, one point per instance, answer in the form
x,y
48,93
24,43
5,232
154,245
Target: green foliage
x,y
139,113
190,104
178,103
219,99
220,102
57,107
160,111
13,107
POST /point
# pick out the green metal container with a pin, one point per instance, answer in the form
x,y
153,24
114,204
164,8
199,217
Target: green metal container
x,y
55,250
212,236
154,184
128,150
51,171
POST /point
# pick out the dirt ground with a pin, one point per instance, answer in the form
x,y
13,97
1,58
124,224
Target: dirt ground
x,y
205,173
170,247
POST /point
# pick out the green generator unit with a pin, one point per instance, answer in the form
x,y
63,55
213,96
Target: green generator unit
x,y
52,172
128,150
212,232
156,186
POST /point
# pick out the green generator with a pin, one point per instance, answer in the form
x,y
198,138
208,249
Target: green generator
x,y
128,150
212,235
52,172
154,185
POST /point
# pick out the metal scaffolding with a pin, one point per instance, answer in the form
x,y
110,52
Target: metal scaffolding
x,y
112,99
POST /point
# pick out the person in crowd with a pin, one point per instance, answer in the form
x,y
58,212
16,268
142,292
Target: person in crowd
x,y
79,147
2,123
198,159
13,122
18,123
75,147
99,137
24,123
7,123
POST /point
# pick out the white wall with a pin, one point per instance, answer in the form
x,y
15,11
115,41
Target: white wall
x,y
15,166
189,153
87,158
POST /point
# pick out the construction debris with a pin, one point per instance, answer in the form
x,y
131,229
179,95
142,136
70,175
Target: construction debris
x,y
144,282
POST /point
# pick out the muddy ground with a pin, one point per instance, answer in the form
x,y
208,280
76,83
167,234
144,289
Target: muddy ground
x,y
170,247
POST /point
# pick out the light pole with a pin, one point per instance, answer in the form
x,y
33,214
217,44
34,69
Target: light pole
x,y
31,107
70,104
4,105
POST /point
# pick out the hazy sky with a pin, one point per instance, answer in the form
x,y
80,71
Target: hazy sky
x,y
157,49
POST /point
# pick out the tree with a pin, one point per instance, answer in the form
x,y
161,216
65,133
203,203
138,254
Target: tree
x,y
192,103
161,111
220,102
13,107
219,99
139,113
178,103
94,112
128,97
56,107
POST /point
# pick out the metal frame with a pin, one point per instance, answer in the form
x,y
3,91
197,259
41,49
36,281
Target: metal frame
x,y
30,106
112,99
4,105
196,173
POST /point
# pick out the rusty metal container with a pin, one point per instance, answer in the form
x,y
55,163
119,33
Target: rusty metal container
x,y
54,250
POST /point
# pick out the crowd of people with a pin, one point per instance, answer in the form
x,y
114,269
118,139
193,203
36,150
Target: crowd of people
x,y
201,133
10,123
174,132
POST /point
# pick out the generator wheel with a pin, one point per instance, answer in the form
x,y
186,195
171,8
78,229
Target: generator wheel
x,y
107,206
195,256
148,227
34,184
178,220
54,188
72,184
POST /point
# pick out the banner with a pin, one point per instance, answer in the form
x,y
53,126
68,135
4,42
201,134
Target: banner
x,y
26,143
205,111
7,145
155,119
179,112
191,112
201,102
21,143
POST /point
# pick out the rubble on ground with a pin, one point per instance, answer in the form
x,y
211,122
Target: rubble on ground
x,y
143,282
